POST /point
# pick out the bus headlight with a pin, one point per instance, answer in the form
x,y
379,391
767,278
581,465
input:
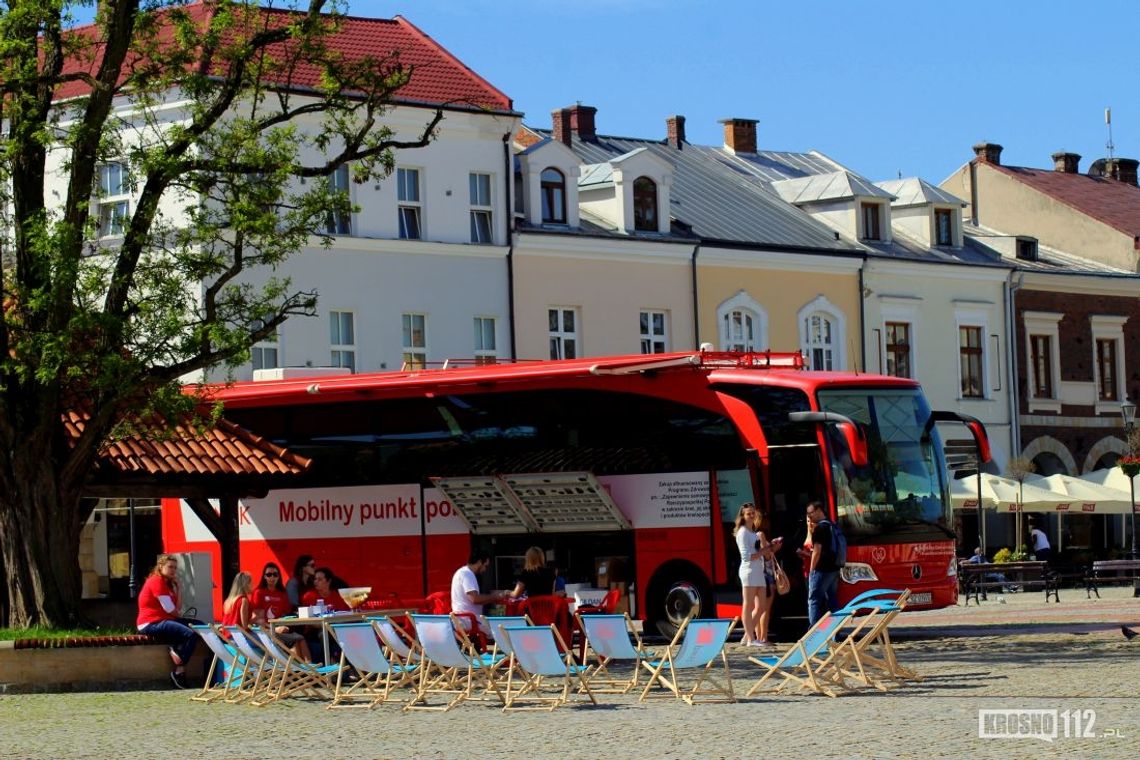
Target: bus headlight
x,y
952,571
854,572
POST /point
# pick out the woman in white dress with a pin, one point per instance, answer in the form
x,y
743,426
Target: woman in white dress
x,y
748,541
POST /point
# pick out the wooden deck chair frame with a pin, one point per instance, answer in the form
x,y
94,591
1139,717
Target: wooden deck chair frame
x,y
362,652
665,669
256,677
503,656
400,646
866,653
810,663
228,664
532,670
291,675
601,680
463,673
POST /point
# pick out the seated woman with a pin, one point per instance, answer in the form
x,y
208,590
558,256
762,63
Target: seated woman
x,y
324,589
160,604
237,609
270,601
536,579
302,579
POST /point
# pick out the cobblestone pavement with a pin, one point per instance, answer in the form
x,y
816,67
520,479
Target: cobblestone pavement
x,y
1018,663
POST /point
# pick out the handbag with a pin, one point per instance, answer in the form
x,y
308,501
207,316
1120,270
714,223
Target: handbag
x,y
783,584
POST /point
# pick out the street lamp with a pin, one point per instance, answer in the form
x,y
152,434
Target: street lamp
x,y
1128,412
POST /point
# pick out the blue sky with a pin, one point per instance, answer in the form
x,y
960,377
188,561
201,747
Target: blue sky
x,y
885,87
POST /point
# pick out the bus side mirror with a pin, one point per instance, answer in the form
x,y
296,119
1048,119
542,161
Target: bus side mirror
x,y
856,443
978,430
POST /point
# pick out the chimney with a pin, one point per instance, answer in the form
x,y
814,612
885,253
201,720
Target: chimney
x,y
740,135
1122,169
582,122
675,131
988,153
1066,162
561,119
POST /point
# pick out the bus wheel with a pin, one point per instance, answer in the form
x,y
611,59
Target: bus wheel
x,y
673,600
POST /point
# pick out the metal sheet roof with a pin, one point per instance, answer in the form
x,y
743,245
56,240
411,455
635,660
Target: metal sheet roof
x,y
832,186
914,191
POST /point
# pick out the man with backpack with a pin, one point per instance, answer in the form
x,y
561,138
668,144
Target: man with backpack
x,y
828,555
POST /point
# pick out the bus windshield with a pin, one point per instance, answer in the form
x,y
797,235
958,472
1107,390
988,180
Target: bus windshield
x,y
901,494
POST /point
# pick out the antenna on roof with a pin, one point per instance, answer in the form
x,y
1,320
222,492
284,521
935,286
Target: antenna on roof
x,y
1108,123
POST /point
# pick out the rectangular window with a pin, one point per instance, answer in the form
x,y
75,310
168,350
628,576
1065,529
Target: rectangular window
x,y
563,332
114,199
1041,349
871,221
342,339
970,355
415,341
943,227
480,191
1106,365
654,332
339,222
898,349
264,354
408,195
485,352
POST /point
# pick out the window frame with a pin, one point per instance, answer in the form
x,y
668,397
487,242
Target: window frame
x,y
967,356
481,212
948,215
744,304
837,348
871,212
1043,324
408,207
113,224
413,352
645,211
547,190
258,350
337,223
1041,361
1108,328
896,351
649,336
481,352
342,353
558,335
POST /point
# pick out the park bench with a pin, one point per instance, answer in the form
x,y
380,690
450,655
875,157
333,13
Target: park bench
x,y
976,578
1111,571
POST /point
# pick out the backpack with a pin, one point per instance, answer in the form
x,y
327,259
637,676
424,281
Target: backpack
x,y
838,544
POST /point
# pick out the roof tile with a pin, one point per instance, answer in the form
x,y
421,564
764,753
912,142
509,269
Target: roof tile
x,y
1110,201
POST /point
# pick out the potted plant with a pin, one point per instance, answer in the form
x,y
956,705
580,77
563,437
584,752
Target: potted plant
x,y
1129,465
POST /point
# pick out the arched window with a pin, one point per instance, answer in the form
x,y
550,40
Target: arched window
x,y
742,324
553,197
644,205
820,341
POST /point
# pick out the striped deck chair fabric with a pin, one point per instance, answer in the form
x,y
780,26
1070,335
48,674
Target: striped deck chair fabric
x,y
361,650
402,646
451,665
866,653
227,669
698,645
810,663
541,656
612,638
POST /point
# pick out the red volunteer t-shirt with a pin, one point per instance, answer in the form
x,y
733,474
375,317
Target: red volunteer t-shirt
x,y
274,603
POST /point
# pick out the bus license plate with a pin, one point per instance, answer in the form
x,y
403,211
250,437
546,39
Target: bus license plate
x,y
923,598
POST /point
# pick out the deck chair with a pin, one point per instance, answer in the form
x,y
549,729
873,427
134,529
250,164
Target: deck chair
x,y
548,609
259,675
227,669
451,665
608,639
810,663
360,649
495,624
291,675
403,649
697,645
540,654
866,653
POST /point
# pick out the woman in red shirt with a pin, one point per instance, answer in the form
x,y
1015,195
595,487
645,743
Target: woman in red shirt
x,y
238,609
323,589
160,605
271,601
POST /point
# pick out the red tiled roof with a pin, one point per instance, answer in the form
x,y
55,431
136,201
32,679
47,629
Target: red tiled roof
x,y
225,449
1107,200
438,77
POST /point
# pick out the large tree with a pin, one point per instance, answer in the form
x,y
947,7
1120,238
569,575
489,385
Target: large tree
x,y
157,165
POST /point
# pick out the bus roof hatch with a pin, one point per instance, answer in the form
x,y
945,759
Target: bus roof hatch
x,y
533,502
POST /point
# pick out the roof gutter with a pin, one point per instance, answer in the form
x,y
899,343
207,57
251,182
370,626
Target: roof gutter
x,y
696,301
508,217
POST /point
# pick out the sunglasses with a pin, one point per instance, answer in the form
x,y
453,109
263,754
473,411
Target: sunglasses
x,y
272,575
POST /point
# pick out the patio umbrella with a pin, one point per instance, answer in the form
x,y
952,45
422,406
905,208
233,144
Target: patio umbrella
x,y
1084,496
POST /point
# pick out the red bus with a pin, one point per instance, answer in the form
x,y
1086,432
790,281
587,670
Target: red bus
x,y
626,470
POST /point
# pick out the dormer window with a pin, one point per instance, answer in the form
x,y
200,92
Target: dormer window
x,y
943,226
553,197
872,229
644,205
1027,249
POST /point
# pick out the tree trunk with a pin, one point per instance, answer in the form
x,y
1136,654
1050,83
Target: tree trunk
x,y
39,542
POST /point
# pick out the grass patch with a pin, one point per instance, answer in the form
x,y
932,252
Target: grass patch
x,y
40,632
